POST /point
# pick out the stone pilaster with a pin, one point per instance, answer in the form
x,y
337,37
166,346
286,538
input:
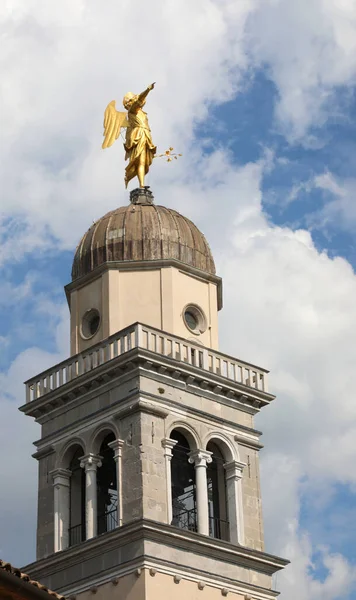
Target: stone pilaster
x,y
168,446
117,445
61,488
233,472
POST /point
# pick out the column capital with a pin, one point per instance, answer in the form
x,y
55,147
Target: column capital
x,y
90,462
168,445
117,446
200,458
234,469
61,477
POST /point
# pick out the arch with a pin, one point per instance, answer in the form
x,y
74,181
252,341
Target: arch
x,y
99,434
189,433
228,450
67,452
77,525
183,482
224,493
217,493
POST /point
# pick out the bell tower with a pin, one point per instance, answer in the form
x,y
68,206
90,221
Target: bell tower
x,y
148,459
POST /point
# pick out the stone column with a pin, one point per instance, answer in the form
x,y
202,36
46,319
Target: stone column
x,y
200,459
61,488
168,446
90,462
117,445
233,471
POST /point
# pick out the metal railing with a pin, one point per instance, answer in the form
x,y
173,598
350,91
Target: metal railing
x,y
218,528
107,521
76,534
147,338
186,519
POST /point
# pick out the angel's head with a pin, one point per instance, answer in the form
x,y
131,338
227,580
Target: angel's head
x,y
128,100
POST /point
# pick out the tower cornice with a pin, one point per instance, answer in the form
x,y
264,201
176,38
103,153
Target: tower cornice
x,y
140,538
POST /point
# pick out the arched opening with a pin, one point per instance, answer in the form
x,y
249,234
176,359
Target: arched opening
x,y
76,499
217,497
107,487
184,508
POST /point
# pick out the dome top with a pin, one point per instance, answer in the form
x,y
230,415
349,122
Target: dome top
x,y
142,232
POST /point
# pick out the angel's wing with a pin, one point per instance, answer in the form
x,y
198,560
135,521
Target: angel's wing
x,y
113,121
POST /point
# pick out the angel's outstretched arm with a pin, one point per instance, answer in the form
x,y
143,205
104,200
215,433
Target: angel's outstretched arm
x,y
142,97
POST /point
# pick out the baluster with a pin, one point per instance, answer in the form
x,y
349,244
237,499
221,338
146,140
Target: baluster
x,y
60,377
200,359
205,364
122,344
80,365
102,355
55,380
144,338
235,372
254,381
248,378
138,334
74,369
213,363
232,374
264,382
178,350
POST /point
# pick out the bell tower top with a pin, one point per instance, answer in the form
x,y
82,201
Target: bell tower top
x,y
142,231
143,263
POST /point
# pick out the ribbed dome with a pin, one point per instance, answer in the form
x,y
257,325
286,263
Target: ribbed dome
x,y
142,232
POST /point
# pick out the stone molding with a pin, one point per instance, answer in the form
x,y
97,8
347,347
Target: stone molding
x,y
61,477
168,445
145,265
200,458
139,358
142,531
234,469
117,446
141,405
90,462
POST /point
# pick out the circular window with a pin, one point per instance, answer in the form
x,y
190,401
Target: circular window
x,y
194,319
90,323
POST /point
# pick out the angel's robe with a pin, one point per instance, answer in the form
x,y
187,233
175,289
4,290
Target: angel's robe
x,y
138,141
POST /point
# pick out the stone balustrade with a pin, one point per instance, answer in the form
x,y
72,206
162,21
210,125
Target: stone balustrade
x,y
154,340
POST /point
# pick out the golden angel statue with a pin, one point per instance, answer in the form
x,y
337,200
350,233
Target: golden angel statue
x,y
138,145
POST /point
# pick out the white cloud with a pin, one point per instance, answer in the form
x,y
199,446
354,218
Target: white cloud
x,y
339,209
308,48
19,469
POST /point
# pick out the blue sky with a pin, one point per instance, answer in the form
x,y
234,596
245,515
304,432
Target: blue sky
x,y
259,96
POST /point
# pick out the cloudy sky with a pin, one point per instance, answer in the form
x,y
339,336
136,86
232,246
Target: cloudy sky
x,y
259,96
